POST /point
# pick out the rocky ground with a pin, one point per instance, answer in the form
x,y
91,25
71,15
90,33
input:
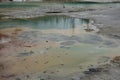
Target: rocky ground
x,y
108,71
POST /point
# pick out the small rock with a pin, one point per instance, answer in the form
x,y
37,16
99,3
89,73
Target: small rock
x,y
17,79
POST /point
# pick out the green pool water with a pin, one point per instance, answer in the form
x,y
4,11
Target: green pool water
x,y
45,22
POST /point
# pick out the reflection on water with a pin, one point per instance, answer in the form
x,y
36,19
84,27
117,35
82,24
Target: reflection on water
x,y
46,22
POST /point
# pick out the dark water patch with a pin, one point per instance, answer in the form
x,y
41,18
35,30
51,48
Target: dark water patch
x,y
45,22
